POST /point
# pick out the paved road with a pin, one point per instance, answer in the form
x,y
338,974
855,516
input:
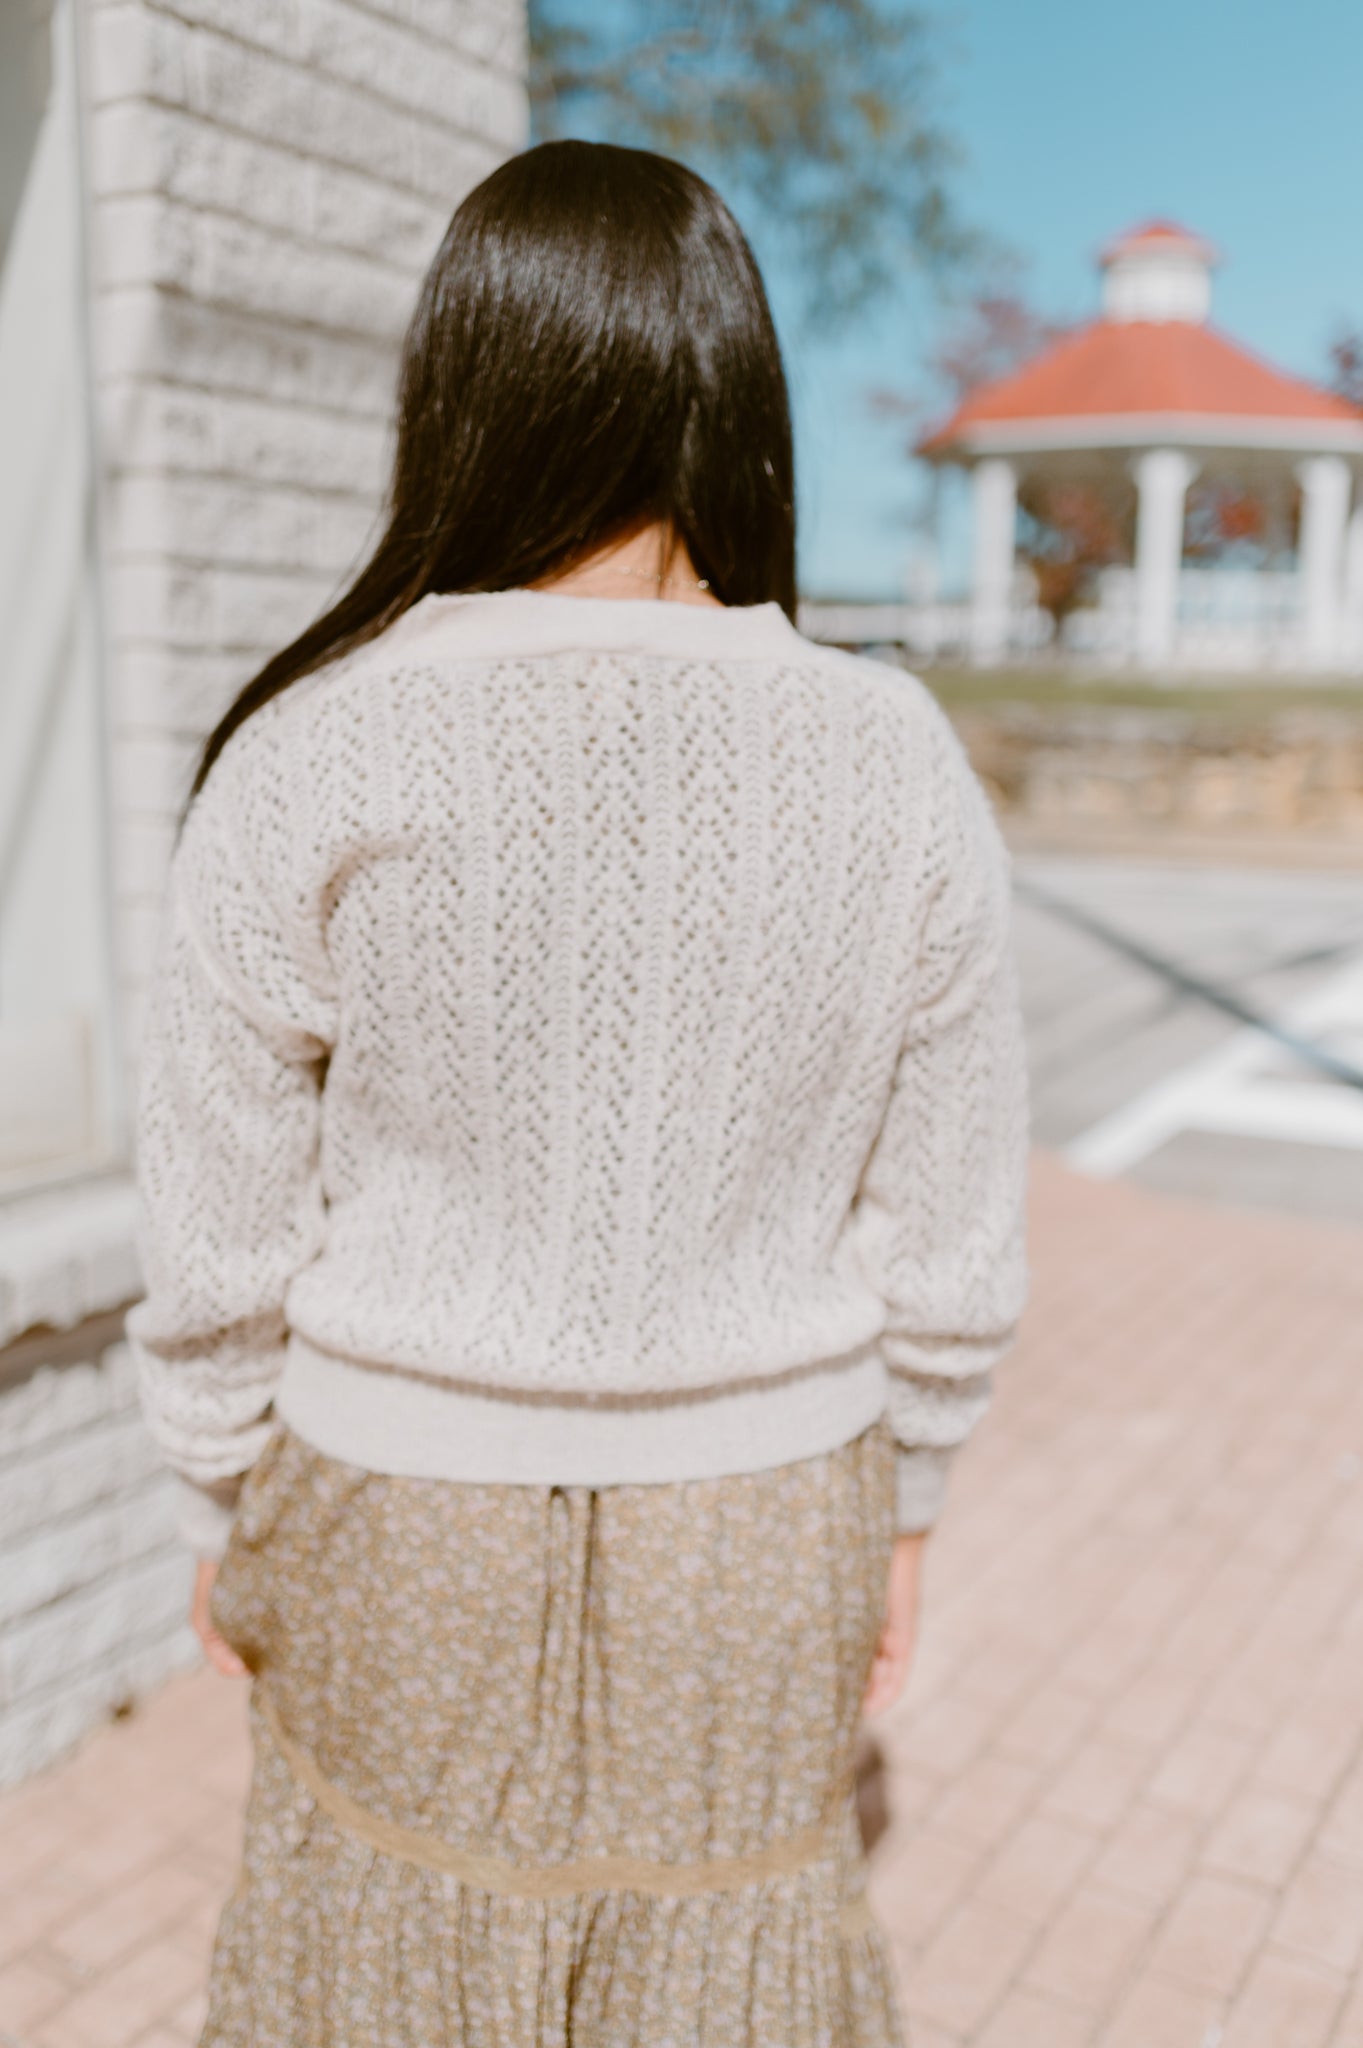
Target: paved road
x,y
1132,1074
1124,1791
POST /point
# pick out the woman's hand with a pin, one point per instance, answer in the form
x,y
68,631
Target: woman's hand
x,y
894,1651
217,1649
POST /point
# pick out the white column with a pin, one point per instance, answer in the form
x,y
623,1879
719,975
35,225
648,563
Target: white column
x,y
994,499
1325,488
1162,479
1352,637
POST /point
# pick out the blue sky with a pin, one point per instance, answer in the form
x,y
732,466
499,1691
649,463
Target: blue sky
x,y
1079,118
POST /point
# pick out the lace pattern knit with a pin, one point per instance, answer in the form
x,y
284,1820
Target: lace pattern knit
x,y
585,1045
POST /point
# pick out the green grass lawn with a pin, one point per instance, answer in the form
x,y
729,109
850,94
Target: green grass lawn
x,y
1239,698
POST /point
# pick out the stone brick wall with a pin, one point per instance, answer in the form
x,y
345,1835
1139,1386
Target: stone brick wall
x,y
1289,783
94,1583
266,182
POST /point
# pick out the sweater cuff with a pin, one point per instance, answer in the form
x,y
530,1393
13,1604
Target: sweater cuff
x,y
919,1487
205,1514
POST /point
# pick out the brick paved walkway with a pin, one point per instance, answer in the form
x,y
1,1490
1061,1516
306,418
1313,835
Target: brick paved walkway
x,y
1126,1787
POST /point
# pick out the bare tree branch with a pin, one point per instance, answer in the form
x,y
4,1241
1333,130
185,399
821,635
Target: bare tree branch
x,y
819,115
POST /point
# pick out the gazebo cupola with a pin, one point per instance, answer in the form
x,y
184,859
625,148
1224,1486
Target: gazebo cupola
x,y
1151,392
1158,272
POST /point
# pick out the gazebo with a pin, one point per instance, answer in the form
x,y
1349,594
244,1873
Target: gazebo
x,y
1150,394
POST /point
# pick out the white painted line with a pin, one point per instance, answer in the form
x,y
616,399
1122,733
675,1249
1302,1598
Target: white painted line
x,y
1298,1116
1238,1089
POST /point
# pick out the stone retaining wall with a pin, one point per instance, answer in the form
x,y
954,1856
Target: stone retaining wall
x,y
1107,770
94,1582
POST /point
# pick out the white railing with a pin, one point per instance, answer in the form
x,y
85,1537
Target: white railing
x,y
1229,620
933,632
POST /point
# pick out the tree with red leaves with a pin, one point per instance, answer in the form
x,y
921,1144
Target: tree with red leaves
x,y
997,332
1067,530
1346,365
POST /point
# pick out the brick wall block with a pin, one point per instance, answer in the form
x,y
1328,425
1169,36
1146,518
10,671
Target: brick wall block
x,y
316,451
145,335
138,921
263,23
50,1562
166,151
109,1272
415,71
187,605
216,519
145,239
139,148
445,166
132,52
55,1285
343,533
160,601
175,692
349,211
139,52
127,343
36,1732
286,278
56,1401
492,34
160,426
137,931
148,1519
111,1457
421,68
33,1735
149,772
275,99
265,612
489,33
90,1628
144,858
125,141
131,1012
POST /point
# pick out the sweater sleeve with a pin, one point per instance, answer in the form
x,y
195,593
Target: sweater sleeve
x,y
236,1035
940,1206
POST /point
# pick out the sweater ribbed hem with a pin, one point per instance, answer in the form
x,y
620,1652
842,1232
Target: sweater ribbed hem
x,y
414,1426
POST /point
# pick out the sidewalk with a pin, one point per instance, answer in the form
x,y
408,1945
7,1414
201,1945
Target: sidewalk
x,y
1125,1791
1127,1783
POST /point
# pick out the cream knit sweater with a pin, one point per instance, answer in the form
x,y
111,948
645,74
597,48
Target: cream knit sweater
x,y
584,1048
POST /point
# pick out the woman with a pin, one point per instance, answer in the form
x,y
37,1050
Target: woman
x,y
582,1153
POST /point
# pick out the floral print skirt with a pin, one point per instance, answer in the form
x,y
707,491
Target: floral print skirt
x,y
548,1765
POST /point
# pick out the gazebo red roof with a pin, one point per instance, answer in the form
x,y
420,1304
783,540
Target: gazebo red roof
x,y
1154,236
1123,368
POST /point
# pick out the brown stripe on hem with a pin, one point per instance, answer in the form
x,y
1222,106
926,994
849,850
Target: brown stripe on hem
x,y
612,1401
561,1880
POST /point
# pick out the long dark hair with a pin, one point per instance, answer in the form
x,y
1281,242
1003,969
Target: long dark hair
x,y
591,346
